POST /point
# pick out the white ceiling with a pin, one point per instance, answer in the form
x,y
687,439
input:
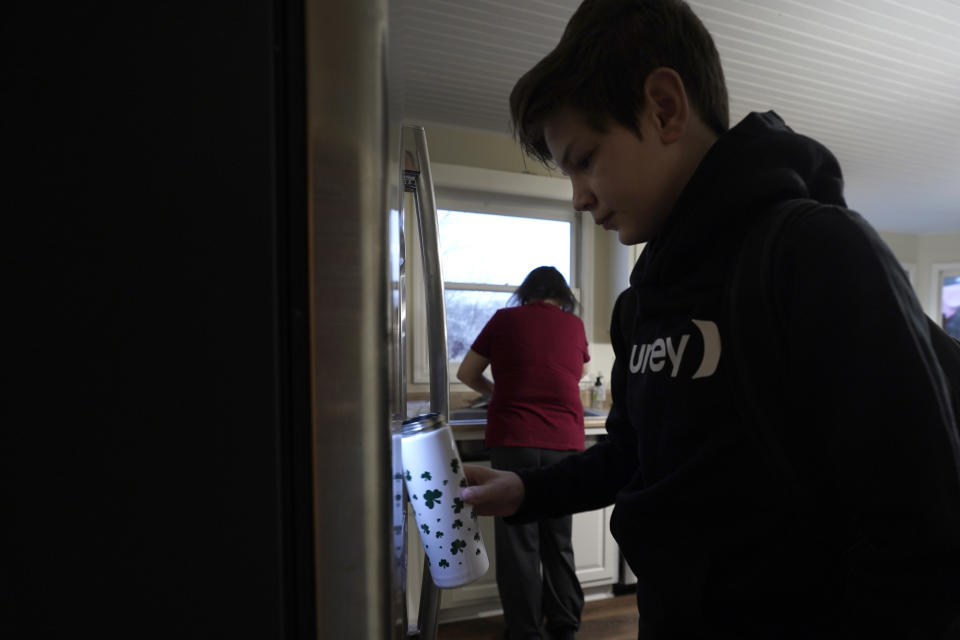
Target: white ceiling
x,y
877,81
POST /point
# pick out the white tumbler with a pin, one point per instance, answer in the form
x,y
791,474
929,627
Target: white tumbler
x,y
449,528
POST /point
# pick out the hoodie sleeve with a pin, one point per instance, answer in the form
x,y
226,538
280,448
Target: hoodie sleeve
x,y
873,432
589,480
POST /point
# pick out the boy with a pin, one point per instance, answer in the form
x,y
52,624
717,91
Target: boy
x,y
849,526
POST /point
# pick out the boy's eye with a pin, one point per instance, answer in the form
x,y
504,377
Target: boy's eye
x,y
584,162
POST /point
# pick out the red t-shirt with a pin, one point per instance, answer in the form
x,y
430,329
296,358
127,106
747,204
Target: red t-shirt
x,y
537,352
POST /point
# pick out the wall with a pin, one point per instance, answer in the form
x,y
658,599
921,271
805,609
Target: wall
x,y
903,245
468,148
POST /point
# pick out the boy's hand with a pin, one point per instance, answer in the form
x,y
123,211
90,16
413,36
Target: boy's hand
x,y
492,492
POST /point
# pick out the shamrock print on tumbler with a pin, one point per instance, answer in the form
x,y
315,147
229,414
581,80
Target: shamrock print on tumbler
x,y
449,530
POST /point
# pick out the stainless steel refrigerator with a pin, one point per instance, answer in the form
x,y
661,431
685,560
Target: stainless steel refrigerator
x,y
207,342
364,163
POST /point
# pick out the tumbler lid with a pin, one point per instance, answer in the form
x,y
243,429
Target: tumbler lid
x,y
421,424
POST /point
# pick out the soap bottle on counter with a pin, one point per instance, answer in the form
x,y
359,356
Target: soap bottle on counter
x,y
598,396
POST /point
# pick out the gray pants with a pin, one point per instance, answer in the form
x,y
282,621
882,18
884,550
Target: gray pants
x,y
527,596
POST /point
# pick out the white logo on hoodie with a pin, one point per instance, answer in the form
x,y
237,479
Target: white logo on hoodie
x,y
653,356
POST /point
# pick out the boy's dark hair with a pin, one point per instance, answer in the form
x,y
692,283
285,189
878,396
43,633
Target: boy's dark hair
x,y
600,64
545,283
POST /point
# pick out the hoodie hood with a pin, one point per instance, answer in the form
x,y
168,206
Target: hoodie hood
x,y
756,164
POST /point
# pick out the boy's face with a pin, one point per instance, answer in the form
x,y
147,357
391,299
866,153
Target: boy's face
x,y
628,183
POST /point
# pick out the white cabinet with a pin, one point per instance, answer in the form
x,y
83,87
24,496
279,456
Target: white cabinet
x,y
594,549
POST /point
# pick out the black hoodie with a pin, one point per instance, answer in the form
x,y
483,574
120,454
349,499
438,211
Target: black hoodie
x,y
720,544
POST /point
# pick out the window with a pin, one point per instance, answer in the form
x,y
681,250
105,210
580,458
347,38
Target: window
x,y
950,304
946,297
486,256
488,244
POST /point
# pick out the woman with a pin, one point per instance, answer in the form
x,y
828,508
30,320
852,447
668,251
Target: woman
x,y
537,352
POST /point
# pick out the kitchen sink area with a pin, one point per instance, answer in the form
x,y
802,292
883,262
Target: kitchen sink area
x,y
481,414
468,414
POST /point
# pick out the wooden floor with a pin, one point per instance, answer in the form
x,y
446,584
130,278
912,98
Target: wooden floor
x,y
607,619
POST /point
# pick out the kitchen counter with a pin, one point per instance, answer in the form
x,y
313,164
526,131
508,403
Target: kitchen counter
x,y
474,426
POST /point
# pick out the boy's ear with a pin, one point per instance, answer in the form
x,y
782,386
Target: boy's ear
x,y
666,103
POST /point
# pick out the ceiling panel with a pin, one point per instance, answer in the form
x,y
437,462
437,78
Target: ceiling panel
x,y
877,81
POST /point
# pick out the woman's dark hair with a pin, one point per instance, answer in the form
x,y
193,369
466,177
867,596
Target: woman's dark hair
x,y
545,283
602,61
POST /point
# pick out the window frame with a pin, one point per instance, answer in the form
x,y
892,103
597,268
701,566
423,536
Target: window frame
x,y
938,271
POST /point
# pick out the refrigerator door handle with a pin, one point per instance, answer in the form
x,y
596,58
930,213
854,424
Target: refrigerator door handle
x,y
418,179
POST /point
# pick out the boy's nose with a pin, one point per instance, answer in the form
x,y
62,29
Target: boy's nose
x,y
583,199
